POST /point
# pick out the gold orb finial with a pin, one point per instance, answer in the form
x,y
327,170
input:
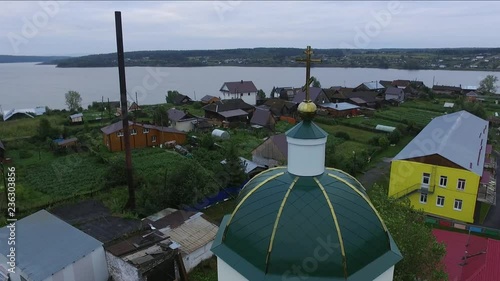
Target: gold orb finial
x,y
307,110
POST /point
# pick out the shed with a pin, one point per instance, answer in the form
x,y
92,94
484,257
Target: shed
x,y
76,118
448,105
51,249
384,128
220,134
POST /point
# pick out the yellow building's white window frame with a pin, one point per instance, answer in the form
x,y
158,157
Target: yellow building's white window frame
x,y
440,199
423,198
457,206
426,177
443,181
459,185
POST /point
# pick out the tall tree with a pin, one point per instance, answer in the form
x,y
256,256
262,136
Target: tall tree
x,y
171,96
160,116
234,167
487,86
261,94
422,254
73,100
316,82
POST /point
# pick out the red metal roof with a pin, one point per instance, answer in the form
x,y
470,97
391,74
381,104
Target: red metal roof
x,y
491,270
456,249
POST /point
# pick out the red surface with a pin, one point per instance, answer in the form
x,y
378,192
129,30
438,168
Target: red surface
x,y
455,251
445,223
491,270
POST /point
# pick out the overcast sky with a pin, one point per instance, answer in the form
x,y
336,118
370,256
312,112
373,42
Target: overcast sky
x,y
76,28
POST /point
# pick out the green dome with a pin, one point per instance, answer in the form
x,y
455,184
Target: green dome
x,y
323,225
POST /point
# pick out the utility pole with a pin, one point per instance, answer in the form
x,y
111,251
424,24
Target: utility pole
x,y
123,98
136,101
109,110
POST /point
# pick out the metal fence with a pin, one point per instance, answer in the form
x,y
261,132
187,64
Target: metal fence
x,y
456,225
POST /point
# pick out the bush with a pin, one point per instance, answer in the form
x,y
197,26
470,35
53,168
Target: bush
x,y
25,154
374,140
383,142
342,135
197,105
395,136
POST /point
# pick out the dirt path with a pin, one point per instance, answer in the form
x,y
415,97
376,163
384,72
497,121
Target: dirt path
x,y
376,173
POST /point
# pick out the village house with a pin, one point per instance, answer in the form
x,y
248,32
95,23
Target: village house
x,y
272,152
385,83
280,107
317,95
448,178
263,118
181,120
51,250
400,84
181,99
244,90
147,256
190,230
395,94
362,99
76,119
446,90
285,93
133,107
374,86
208,99
141,135
341,109
232,110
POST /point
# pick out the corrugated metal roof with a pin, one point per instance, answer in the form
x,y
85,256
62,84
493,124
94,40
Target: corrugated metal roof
x,y
194,233
239,87
76,115
339,106
47,244
233,113
373,85
459,137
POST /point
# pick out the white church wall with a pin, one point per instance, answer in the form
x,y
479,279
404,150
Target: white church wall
x,y
299,150
227,273
388,275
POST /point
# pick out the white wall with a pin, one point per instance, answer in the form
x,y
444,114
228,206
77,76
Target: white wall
x,y
184,126
306,157
121,270
89,268
196,257
250,99
227,273
388,275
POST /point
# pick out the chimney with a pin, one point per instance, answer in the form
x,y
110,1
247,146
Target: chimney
x,y
241,81
336,105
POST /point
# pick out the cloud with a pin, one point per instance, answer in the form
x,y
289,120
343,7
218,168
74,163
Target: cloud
x,y
88,27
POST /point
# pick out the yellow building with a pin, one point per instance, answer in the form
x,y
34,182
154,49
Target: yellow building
x,y
445,169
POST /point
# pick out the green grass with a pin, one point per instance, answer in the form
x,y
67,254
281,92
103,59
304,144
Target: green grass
x,y
402,114
357,135
347,147
205,271
217,212
483,212
26,127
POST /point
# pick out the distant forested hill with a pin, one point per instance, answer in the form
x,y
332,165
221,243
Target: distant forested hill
x,y
456,58
44,59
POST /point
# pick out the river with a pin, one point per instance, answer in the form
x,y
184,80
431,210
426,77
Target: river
x,y
26,85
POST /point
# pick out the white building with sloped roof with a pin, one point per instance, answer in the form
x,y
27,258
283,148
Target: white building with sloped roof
x,y
48,249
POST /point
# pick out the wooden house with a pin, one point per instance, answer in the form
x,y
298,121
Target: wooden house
x,y
76,118
263,118
208,99
317,95
272,152
181,99
181,120
341,109
141,135
229,110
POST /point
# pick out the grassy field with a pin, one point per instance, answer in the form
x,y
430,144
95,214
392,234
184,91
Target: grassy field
x,y
401,114
357,135
26,127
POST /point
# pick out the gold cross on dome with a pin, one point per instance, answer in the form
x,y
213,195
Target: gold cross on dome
x,y
308,60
